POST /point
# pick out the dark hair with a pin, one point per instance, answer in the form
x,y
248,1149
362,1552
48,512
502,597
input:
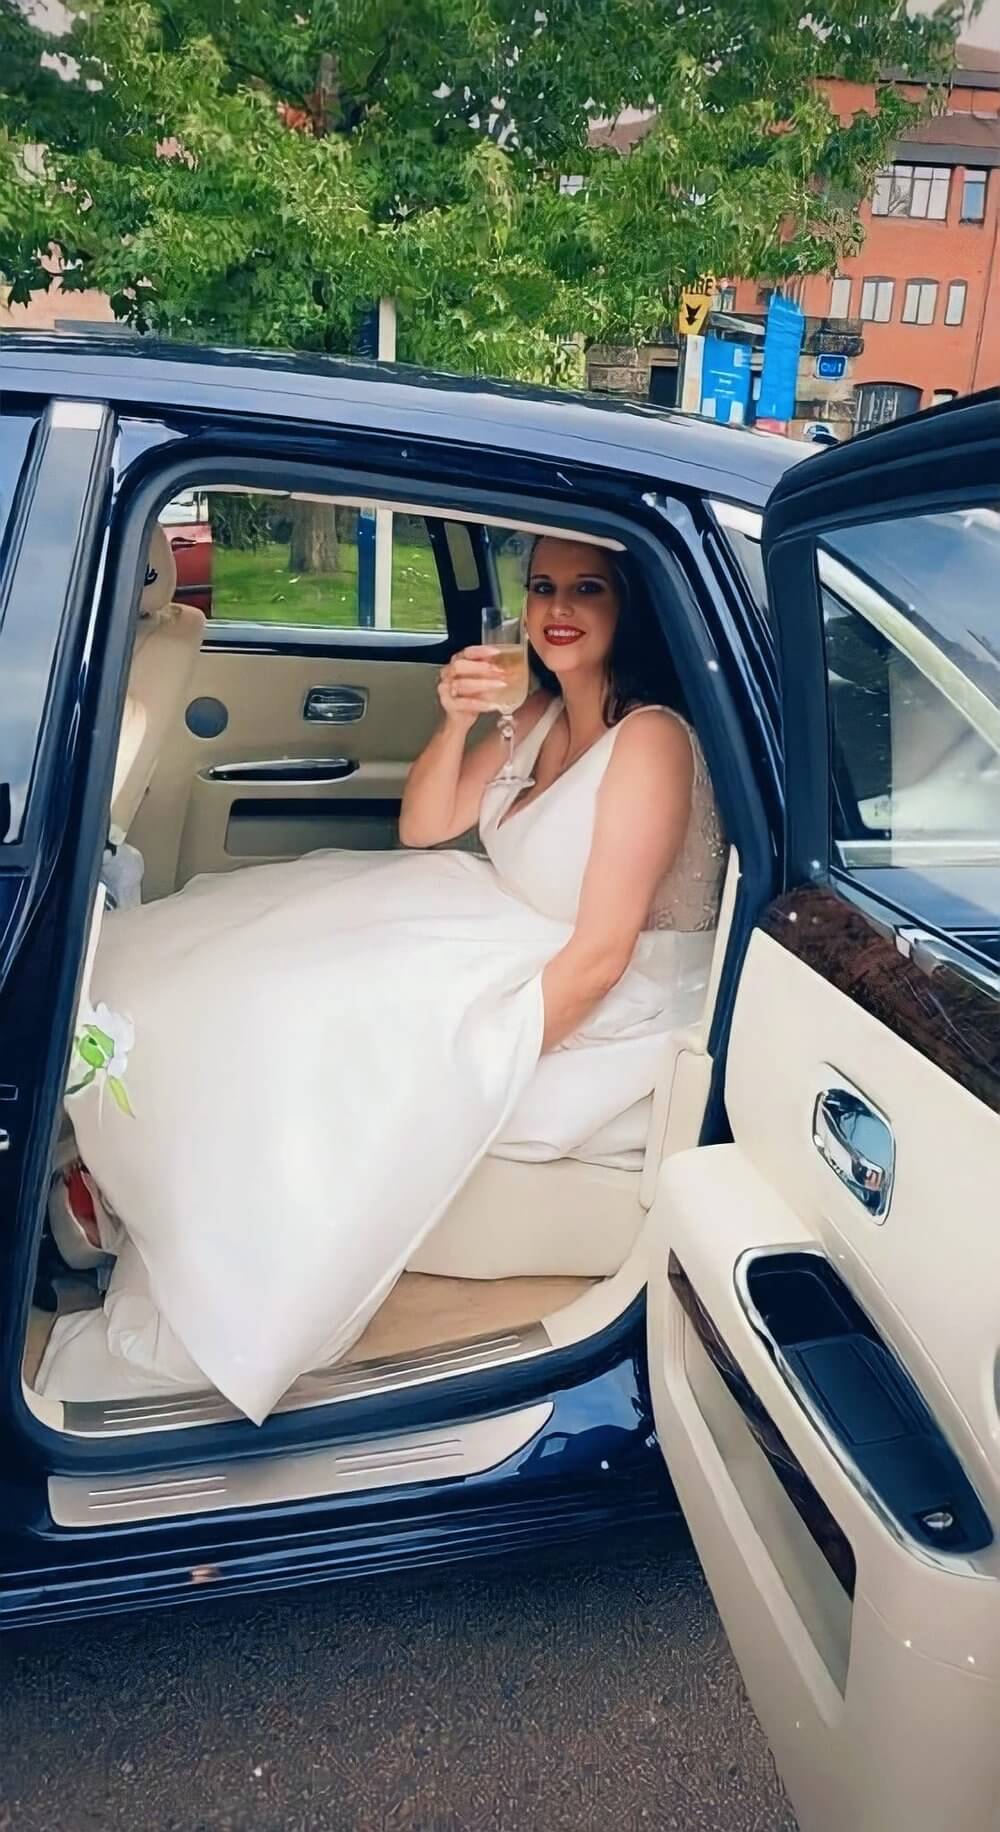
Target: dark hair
x,y
640,669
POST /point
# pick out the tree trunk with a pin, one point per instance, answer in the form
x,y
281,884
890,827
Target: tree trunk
x,y
313,546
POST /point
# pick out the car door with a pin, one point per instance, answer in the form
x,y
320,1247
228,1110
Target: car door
x,y
825,1293
55,475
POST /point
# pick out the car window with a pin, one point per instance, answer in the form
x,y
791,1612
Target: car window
x,y
273,558
17,725
15,440
912,632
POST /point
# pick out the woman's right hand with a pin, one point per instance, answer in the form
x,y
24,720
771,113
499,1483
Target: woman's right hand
x,y
469,686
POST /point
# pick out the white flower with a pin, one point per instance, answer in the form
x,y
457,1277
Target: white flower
x,y
121,1030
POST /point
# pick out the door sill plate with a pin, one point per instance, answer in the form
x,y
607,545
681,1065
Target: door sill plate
x,y
326,1387
251,1482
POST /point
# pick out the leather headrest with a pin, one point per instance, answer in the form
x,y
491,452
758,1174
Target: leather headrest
x,y
161,575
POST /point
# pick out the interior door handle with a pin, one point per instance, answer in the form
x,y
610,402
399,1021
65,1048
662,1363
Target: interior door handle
x,y
314,771
335,705
857,1142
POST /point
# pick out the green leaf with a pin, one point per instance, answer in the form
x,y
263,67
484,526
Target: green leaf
x,y
78,1086
91,1051
119,1095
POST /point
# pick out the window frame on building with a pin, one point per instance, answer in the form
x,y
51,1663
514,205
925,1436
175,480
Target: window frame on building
x,y
725,299
841,281
974,178
956,289
900,186
878,281
917,309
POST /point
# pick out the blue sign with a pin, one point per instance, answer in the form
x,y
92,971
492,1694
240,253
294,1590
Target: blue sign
x,y
831,368
782,346
725,381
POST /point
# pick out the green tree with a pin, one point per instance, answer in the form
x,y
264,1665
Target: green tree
x,y
260,170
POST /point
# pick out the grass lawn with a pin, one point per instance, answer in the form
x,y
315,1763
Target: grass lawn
x,y
257,587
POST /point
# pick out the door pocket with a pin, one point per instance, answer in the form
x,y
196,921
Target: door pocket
x,y
860,1398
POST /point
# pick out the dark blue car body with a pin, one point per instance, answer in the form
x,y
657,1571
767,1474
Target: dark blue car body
x,y
596,1463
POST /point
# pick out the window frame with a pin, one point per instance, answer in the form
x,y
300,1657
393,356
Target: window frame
x,y
878,281
443,564
900,180
955,286
979,177
919,288
840,280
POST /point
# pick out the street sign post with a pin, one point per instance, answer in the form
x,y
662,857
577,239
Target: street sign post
x,y
692,355
376,340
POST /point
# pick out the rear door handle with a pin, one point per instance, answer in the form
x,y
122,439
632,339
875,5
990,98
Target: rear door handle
x,y
335,705
857,1142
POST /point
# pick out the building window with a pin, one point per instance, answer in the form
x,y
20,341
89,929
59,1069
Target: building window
x,y
942,396
840,296
954,311
876,300
912,190
725,299
920,302
880,402
973,197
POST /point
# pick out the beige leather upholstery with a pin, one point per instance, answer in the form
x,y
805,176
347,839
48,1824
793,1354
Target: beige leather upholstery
x,y
166,649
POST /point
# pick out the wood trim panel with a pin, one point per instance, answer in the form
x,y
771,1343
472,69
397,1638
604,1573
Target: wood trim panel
x,y
949,1018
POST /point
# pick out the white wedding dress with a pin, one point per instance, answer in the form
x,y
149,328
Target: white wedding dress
x,y
323,1052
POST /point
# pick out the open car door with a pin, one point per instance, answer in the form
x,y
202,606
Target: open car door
x,y
825,1290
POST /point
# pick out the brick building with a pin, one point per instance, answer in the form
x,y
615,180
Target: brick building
x,y
926,285
918,310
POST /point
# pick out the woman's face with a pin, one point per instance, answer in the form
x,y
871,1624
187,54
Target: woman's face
x,y
572,606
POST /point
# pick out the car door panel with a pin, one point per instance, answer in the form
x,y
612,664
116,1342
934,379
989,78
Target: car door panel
x,y
199,816
840,1469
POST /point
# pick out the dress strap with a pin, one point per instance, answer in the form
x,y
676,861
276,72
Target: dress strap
x,y
533,740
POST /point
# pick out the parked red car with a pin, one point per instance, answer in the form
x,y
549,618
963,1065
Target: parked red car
x,y
189,532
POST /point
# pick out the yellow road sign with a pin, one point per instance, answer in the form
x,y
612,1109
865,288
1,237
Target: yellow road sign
x,y
696,303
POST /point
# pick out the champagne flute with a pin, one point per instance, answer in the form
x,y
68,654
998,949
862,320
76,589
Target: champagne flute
x,y
504,638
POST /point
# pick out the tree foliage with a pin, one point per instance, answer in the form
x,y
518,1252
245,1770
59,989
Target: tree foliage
x,y
260,170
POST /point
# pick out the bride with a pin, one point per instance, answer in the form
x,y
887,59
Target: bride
x,y
312,1058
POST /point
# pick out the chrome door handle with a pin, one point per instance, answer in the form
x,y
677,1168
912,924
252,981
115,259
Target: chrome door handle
x,y
857,1142
335,705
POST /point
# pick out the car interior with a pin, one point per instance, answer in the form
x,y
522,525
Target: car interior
x,y
285,722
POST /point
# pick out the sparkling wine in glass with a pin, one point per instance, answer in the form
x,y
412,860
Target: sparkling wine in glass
x,y
504,637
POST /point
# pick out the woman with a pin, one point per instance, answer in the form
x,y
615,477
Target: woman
x,y
324,1051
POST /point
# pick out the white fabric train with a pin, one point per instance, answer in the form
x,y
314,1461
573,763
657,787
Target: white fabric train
x,y
323,1053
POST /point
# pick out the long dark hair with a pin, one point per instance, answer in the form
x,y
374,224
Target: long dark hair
x,y
640,669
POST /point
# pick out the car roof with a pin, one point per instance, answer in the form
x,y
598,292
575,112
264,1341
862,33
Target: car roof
x,y
588,429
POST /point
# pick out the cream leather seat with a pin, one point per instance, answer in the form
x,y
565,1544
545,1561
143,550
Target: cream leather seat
x,y
166,649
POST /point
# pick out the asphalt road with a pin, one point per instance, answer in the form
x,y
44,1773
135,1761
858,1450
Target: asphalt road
x,y
589,1694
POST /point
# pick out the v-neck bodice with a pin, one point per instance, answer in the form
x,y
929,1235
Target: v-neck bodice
x,y
541,849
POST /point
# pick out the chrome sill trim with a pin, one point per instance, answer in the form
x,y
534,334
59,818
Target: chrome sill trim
x,y
252,1482
325,1387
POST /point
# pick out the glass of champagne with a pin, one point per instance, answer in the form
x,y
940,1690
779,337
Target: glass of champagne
x,y
504,638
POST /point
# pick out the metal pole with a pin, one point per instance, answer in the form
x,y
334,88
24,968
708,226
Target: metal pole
x,y
382,582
